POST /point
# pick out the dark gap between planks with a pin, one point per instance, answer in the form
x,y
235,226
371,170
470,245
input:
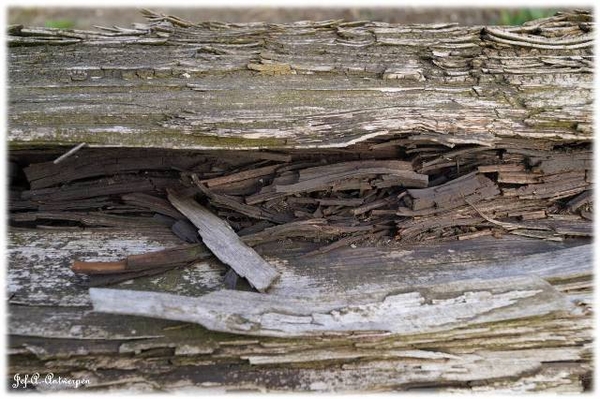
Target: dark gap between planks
x,y
367,194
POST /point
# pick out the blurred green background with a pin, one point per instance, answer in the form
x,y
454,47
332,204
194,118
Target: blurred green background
x,y
86,18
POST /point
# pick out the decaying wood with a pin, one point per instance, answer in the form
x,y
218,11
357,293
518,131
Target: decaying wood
x,y
237,205
101,346
220,238
422,310
322,177
99,267
258,85
471,187
344,270
423,214
175,256
580,200
151,203
45,174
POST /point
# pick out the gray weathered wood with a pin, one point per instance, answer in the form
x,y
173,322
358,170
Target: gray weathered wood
x,y
220,238
424,310
534,355
40,261
100,346
490,311
216,85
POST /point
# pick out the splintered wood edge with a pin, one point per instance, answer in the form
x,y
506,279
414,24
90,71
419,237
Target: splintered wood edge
x,y
220,238
367,81
400,312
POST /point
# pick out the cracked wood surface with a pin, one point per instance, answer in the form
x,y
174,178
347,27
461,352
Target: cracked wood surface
x,y
502,313
40,261
425,310
545,326
174,84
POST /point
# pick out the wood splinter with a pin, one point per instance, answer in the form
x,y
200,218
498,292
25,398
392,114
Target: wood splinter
x,y
134,266
220,238
69,153
99,267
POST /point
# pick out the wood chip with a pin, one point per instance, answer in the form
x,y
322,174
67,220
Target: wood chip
x,y
69,153
470,187
239,176
220,238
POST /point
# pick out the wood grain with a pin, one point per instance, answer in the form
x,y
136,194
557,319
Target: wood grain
x,y
220,238
232,86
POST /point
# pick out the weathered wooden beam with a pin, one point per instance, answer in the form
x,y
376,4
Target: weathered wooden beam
x,y
133,355
219,85
40,260
553,351
450,302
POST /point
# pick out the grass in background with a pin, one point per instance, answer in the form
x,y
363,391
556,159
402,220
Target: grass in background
x,y
518,17
60,23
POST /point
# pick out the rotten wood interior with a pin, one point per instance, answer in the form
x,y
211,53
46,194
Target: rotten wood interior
x,y
421,224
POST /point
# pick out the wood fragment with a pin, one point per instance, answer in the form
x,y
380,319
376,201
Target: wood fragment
x,y
245,175
337,201
102,280
121,184
553,187
471,187
346,241
322,177
580,200
507,167
233,203
93,162
372,205
99,267
152,203
69,153
175,256
164,259
519,177
318,228
231,279
273,315
225,244
532,215
86,218
186,231
479,233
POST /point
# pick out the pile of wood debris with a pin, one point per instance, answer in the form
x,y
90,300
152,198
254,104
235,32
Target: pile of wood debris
x,y
372,192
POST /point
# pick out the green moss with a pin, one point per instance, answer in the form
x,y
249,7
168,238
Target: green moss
x,y
520,16
60,23
155,139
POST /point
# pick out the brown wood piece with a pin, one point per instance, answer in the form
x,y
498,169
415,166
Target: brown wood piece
x,y
239,176
99,267
168,257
